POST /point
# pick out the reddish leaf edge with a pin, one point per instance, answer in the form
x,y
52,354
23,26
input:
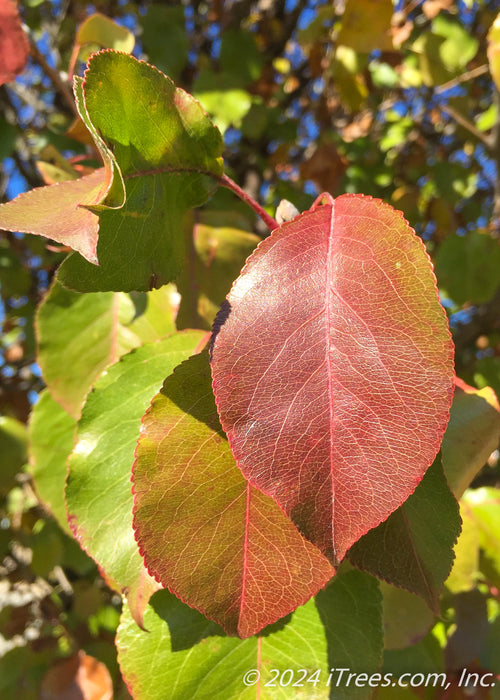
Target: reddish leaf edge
x,y
79,533
88,252
172,589
166,169
471,389
157,70
325,198
433,602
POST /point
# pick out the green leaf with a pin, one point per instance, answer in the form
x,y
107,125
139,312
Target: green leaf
x,y
101,30
205,533
468,267
465,571
215,253
383,74
239,56
15,279
222,97
318,26
51,432
198,662
459,45
413,548
454,182
154,313
164,38
487,119
406,617
351,611
98,491
483,505
423,657
81,334
8,134
13,441
472,434
114,196
21,671
47,545
169,155
432,70
346,69
490,655
470,632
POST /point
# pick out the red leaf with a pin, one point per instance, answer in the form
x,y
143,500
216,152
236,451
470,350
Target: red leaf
x,y
333,370
14,46
58,212
219,544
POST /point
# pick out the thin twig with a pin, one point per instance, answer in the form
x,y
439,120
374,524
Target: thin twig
x,y
410,7
460,119
22,156
56,79
271,223
468,75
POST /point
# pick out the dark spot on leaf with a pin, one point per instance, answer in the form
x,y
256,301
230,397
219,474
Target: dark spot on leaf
x,y
220,319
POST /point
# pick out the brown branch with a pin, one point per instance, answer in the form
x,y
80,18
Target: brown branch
x,y
466,124
412,5
31,176
468,75
22,156
61,86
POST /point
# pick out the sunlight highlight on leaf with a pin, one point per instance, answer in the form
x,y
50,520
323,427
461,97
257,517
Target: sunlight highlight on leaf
x,y
333,368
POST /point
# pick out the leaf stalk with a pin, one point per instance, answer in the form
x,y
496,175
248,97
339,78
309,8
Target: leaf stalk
x,y
226,181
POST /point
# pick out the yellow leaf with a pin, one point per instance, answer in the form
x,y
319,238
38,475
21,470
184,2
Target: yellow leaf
x,y
366,25
494,50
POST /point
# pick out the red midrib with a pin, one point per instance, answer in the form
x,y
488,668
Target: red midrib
x,y
245,552
328,310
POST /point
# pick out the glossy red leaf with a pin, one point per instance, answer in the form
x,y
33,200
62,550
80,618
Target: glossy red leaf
x,y
214,540
333,368
14,46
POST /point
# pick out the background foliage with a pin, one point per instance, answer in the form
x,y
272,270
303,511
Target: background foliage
x,y
398,102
